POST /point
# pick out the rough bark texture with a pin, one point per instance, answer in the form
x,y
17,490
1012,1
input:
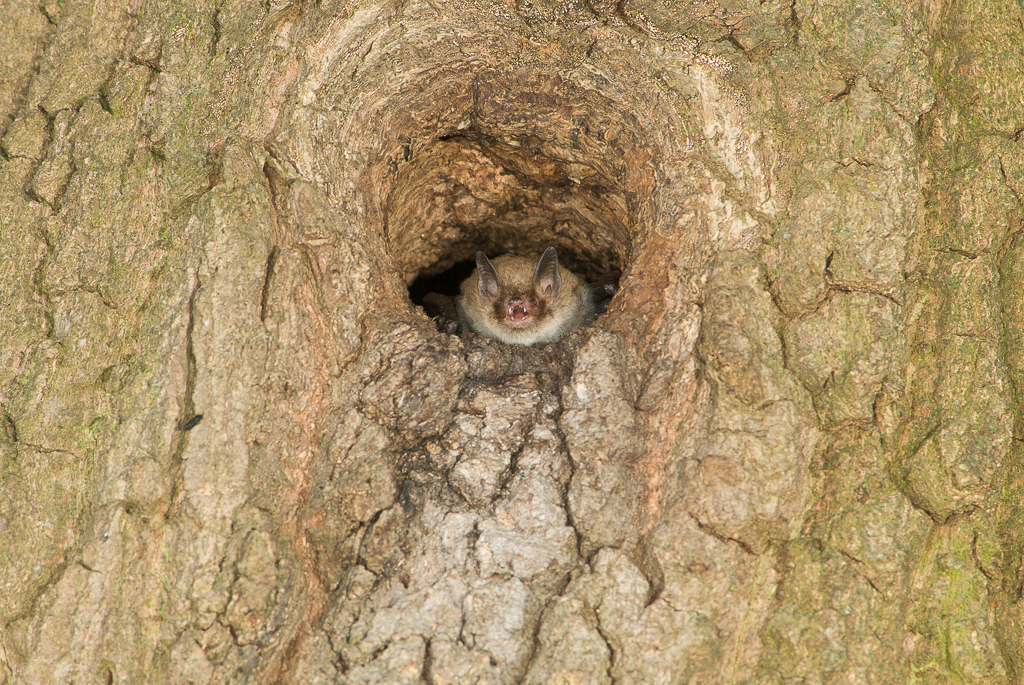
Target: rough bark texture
x,y
791,450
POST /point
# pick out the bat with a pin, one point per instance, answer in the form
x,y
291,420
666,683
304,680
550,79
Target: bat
x,y
521,302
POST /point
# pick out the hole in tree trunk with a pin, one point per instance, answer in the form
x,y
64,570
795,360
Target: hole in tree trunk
x,y
470,192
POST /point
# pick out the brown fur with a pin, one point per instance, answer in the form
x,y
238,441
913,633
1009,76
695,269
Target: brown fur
x,y
552,317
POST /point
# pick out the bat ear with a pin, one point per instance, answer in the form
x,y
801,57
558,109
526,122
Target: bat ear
x,y
489,284
546,279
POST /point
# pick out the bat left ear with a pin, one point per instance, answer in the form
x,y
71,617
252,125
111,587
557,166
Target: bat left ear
x,y
546,279
489,285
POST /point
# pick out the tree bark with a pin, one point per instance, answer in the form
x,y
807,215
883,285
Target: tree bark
x,y
233,450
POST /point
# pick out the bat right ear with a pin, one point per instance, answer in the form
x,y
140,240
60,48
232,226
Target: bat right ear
x,y
546,279
489,285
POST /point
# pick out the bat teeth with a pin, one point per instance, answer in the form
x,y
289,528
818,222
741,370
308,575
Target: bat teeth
x,y
517,312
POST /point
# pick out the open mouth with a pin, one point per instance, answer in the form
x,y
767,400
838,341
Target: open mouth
x,y
517,316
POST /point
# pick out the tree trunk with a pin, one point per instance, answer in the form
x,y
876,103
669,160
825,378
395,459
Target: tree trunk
x,y
233,450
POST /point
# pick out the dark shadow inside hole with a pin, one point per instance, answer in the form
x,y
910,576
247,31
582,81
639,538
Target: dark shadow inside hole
x,y
446,282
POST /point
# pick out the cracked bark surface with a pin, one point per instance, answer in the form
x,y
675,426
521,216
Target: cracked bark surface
x,y
232,450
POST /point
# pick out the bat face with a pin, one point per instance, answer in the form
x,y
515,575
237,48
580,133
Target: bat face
x,y
518,301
